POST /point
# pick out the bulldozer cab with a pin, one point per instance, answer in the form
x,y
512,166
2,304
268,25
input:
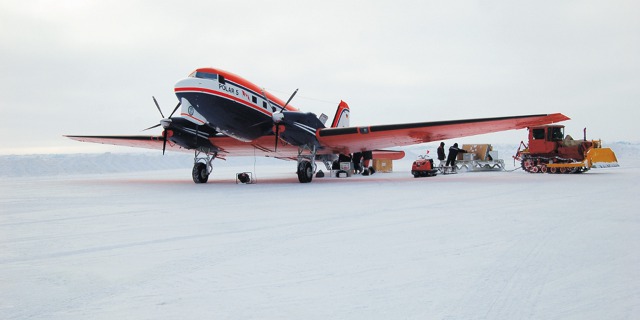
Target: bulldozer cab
x,y
545,139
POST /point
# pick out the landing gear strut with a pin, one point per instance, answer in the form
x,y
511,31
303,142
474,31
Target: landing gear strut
x,y
202,166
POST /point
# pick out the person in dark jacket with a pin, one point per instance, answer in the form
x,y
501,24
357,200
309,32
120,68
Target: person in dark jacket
x,y
453,153
357,162
367,156
441,155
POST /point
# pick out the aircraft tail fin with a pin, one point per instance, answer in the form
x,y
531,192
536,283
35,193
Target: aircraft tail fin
x,y
341,118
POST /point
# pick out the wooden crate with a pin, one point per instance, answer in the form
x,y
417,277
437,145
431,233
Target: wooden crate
x,y
383,165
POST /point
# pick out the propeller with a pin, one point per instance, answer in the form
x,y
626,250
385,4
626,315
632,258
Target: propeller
x,y
164,124
278,117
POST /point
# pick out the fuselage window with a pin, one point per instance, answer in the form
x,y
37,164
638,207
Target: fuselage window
x,y
206,75
264,104
253,98
221,79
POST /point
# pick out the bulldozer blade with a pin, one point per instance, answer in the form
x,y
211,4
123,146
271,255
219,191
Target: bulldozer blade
x,y
602,158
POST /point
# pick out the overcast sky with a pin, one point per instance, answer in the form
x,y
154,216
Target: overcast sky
x,y
91,67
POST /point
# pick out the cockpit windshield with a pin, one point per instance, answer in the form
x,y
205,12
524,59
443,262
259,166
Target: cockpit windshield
x,y
204,75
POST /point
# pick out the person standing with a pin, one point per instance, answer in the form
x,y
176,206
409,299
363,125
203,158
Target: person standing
x,y
367,156
357,162
441,155
453,153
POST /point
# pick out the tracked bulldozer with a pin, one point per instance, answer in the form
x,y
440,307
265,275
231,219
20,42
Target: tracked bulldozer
x,y
550,151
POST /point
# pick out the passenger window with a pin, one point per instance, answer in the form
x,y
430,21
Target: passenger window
x,y
253,98
264,104
221,79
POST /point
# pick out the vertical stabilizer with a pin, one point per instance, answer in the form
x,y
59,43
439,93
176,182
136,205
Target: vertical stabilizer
x,y
341,119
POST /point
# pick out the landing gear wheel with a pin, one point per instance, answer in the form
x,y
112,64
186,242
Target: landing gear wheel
x,y
200,173
305,172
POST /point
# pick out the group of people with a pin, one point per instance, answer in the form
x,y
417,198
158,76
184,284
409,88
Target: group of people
x,y
360,160
453,153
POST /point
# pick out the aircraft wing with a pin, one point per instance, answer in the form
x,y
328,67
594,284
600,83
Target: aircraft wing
x,y
345,140
138,141
354,139
227,146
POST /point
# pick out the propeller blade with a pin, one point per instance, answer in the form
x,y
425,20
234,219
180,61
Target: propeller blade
x,y
292,95
157,105
157,125
164,141
174,109
277,137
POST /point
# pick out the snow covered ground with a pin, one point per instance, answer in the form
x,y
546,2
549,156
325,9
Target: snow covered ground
x,y
122,243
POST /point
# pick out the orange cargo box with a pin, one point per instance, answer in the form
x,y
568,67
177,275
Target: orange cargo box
x,y
383,165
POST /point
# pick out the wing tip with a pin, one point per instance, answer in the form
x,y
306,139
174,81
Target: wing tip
x,y
557,117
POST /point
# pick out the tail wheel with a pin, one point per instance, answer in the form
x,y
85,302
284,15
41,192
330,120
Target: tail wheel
x,y
305,172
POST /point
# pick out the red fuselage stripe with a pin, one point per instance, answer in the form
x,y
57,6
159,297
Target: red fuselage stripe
x,y
190,116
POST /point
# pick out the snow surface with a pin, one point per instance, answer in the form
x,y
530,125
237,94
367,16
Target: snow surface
x,y
131,244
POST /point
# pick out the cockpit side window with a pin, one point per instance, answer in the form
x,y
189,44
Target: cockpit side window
x,y
204,75
538,134
556,134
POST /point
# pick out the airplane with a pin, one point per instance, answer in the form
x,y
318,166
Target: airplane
x,y
223,114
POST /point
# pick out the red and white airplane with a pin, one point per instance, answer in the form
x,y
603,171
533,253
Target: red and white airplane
x,y
223,114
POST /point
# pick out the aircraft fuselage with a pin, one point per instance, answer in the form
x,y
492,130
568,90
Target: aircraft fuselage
x,y
227,103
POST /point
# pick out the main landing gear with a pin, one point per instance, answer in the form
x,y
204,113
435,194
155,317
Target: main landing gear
x,y
202,166
306,164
